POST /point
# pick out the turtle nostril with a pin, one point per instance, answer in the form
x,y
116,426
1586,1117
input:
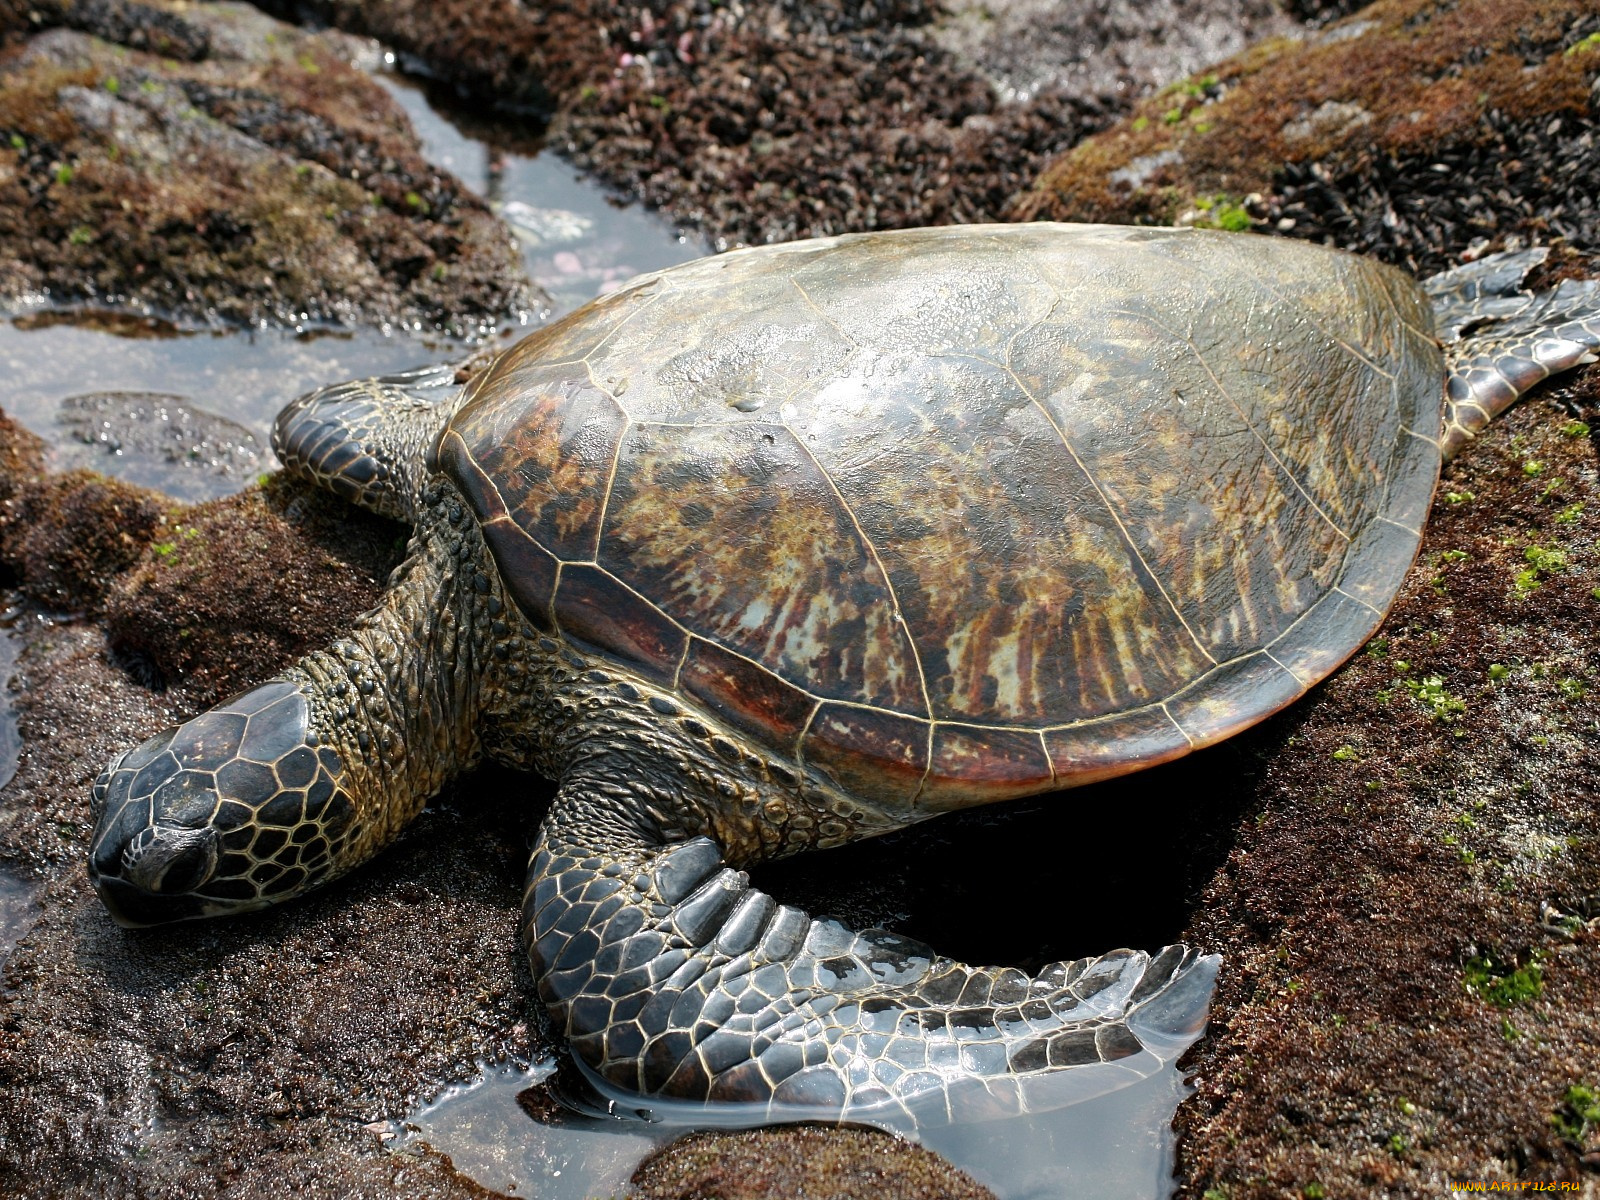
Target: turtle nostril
x,y
170,861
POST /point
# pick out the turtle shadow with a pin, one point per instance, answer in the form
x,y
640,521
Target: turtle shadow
x,y
466,852
1121,863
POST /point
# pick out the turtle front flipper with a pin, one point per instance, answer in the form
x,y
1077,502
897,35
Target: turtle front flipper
x,y
366,440
673,979
1500,341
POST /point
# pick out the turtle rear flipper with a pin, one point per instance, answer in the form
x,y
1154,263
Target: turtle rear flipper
x,y
674,980
1480,291
1500,341
367,440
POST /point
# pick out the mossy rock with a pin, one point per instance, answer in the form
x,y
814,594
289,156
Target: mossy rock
x,y
204,160
1409,129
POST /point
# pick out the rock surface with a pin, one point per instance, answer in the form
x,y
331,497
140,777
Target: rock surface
x,y
823,1164
208,161
767,120
1412,130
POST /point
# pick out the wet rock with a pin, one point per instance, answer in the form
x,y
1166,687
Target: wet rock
x,y
1028,47
801,1160
159,441
1410,130
237,588
63,538
252,1058
773,120
206,160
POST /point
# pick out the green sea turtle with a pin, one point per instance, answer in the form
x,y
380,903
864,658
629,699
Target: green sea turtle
x,y
796,545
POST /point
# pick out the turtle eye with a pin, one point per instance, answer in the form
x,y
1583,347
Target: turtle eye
x,y
236,809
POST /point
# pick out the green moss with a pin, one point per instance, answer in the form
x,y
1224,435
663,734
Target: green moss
x,y
1345,754
1592,42
1579,1114
1575,429
1489,978
1498,672
1220,212
1458,497
1430,692
63,174
1541,562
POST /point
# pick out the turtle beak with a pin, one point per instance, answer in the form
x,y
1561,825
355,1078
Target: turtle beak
x,y
133,908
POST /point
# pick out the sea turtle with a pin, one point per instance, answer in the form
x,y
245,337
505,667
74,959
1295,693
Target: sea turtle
x,y
795,545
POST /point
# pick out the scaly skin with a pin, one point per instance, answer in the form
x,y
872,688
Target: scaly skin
x,y
1531,337
669,975
628,872
201,820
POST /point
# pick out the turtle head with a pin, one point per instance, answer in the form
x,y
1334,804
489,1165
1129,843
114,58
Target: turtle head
x,y
237,809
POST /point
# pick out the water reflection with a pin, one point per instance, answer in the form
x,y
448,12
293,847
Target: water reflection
x,y
502,1133
577,240
493,1139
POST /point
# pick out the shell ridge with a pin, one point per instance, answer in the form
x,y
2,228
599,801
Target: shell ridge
x,y
616,457
877,561
1271,450
1122,529
1357,599
817,308
640,285
1310,317
1302,682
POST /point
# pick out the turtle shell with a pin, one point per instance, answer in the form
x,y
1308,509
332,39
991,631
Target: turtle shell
x,y
954,515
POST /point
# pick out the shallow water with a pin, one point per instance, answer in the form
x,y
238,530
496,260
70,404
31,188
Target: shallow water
x,y
491,1139
577,242
19,908
1117,1146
